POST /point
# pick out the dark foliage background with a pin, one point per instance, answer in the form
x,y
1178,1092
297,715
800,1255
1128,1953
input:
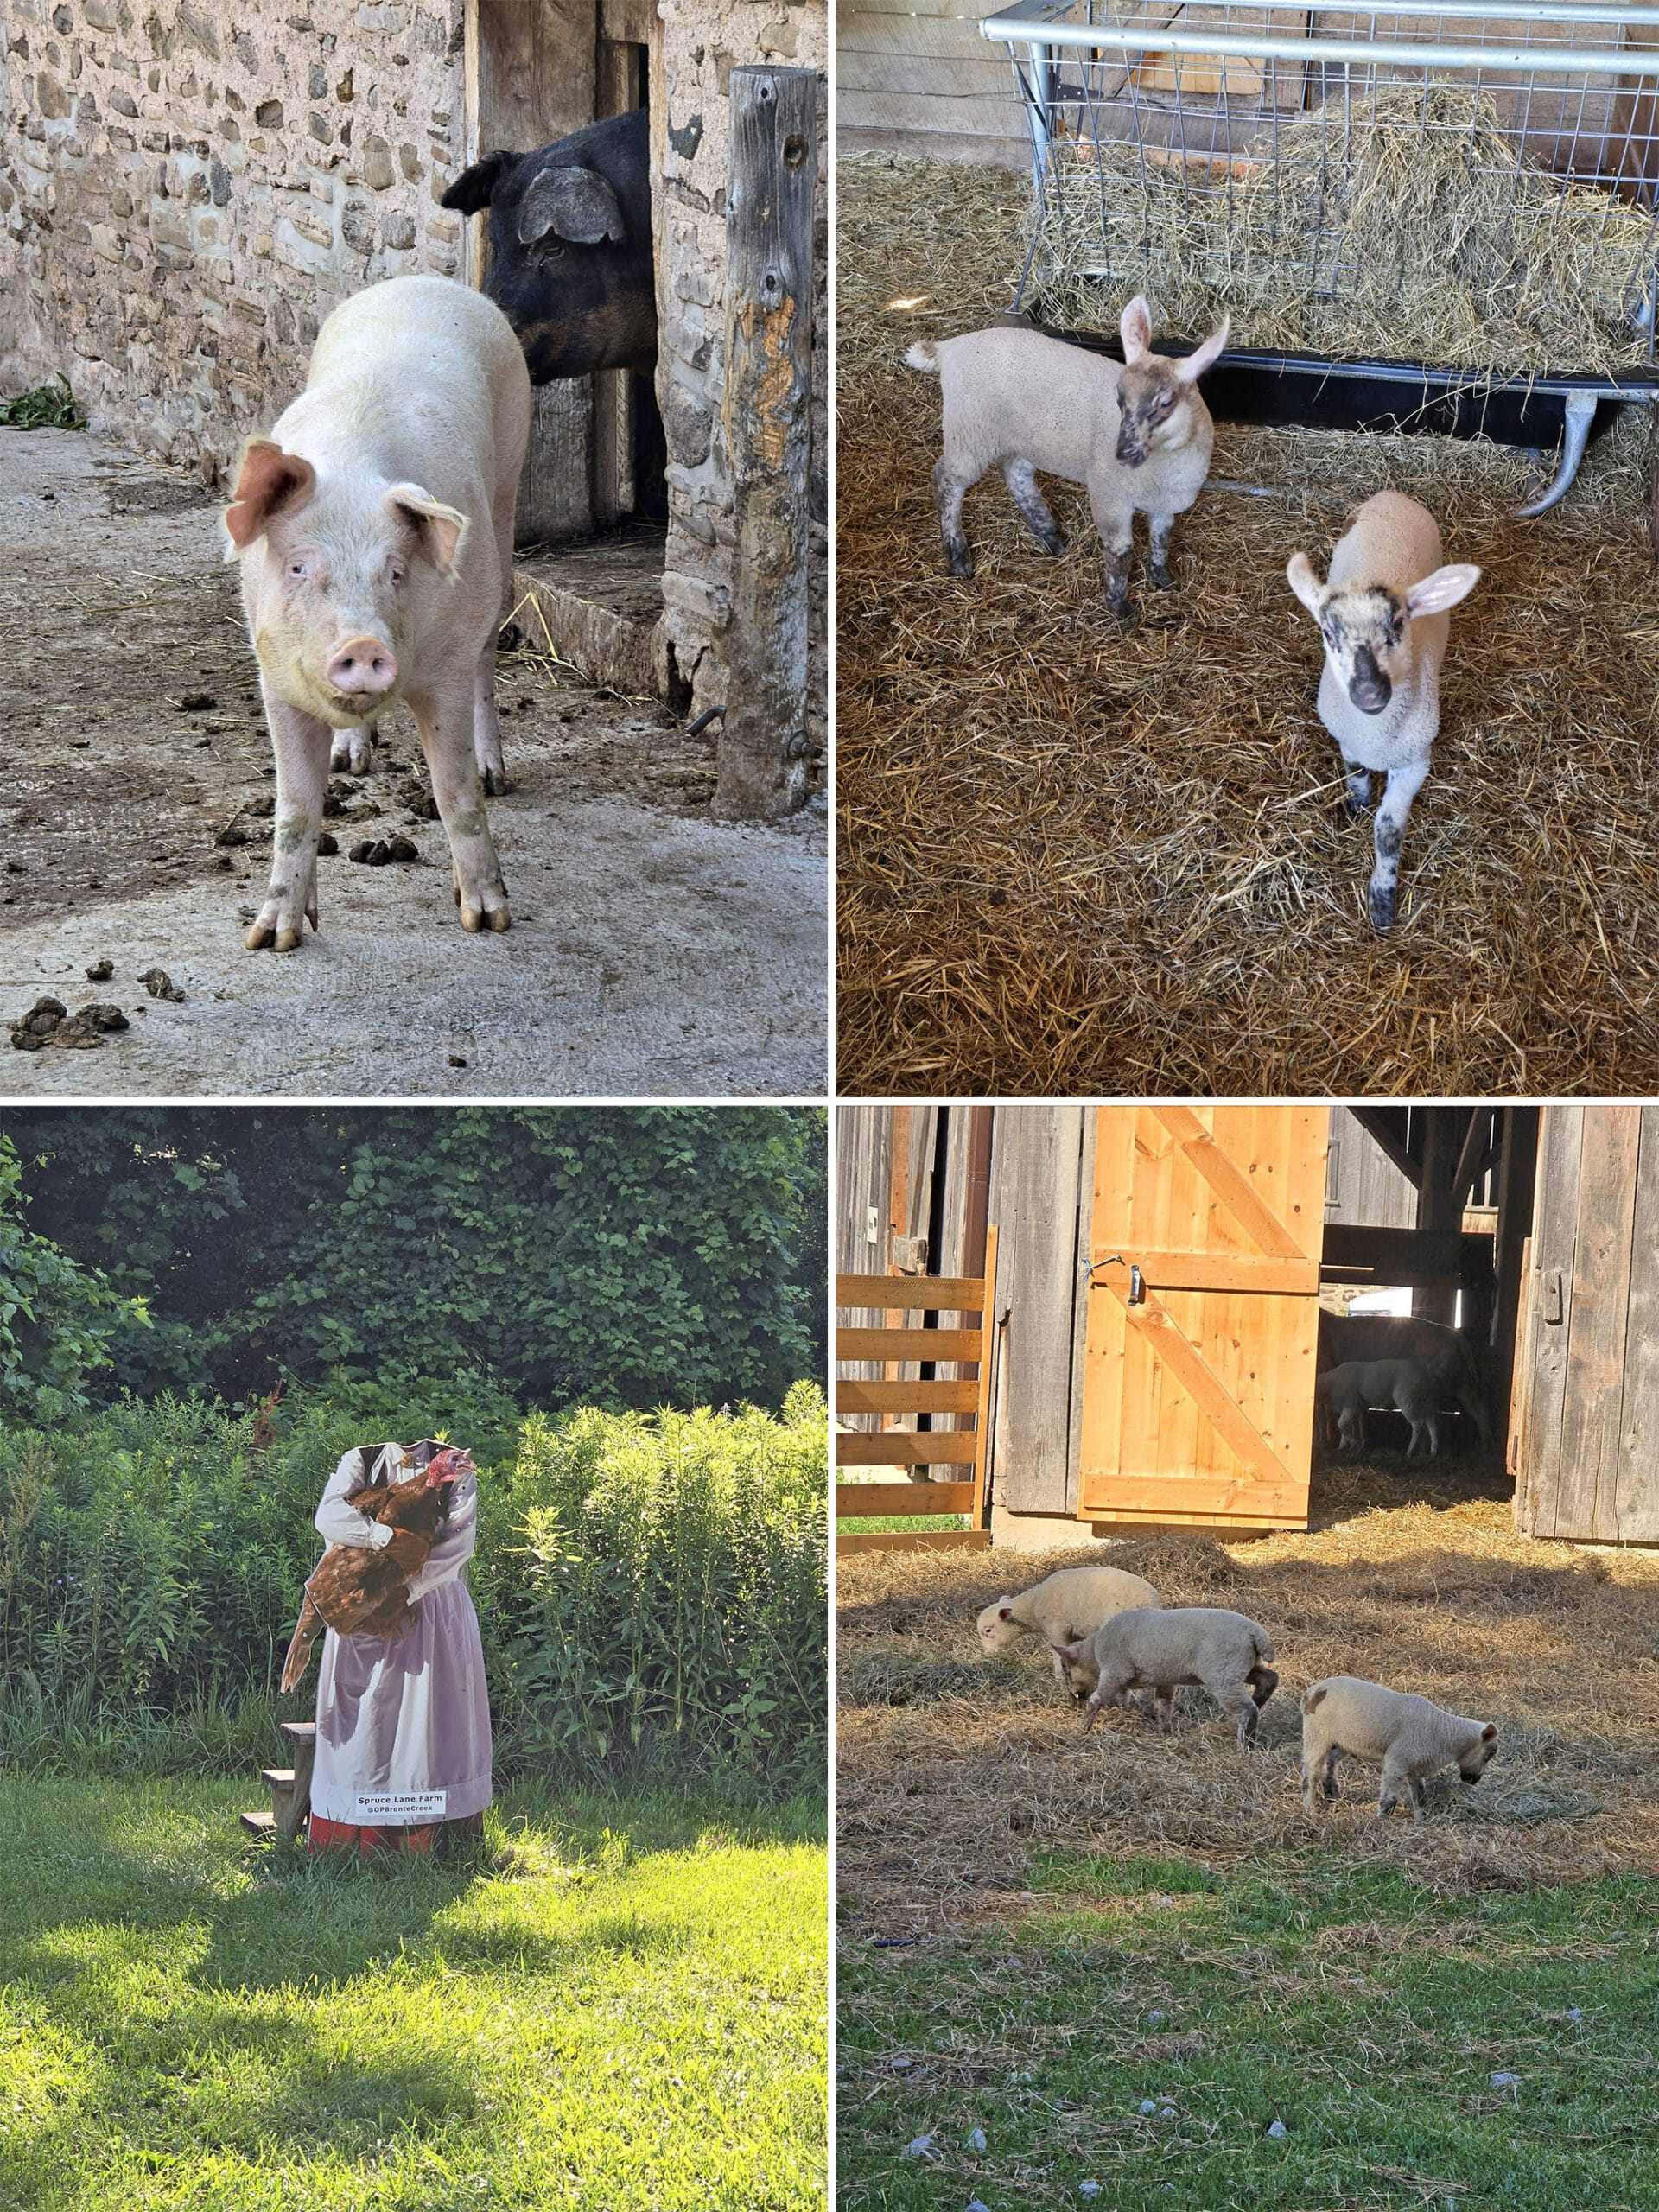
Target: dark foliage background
x,y
626,1257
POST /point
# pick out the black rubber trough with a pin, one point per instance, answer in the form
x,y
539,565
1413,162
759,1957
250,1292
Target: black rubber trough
x,y
1306,392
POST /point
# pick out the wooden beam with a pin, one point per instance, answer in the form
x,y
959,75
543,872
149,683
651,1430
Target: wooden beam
x,y
905,1447
1355,1252
926,1293
1378,1122
1233,1188
917,1397
1247,1271
767,417
910,1540
1242,1524
981,1430
1476,1149
868,1501
906,1345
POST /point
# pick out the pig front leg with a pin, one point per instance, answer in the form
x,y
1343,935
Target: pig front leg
x,y
1404,784
486,726
350,749
300,743
445,722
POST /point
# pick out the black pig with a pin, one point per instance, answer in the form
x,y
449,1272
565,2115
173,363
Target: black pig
x,y
570,247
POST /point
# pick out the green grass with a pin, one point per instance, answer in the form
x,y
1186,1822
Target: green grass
x,y
1364,2013
631,2014
47,407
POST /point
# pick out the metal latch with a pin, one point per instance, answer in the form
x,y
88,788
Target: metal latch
x,y
1137,1281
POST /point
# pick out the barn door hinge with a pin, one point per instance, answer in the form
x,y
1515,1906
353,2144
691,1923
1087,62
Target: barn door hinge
x,y
1137,1281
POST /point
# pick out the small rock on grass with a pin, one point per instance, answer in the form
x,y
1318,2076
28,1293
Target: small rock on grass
x,y
975,2139
1506,2081
920,2146
1277,2128
1088,2188
161,985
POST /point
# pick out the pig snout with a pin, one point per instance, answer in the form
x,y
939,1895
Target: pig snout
x,y
362,668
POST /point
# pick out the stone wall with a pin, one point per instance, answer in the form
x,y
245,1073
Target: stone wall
x,y
186,191
702,41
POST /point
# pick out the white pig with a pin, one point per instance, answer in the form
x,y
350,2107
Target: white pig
x,y
374,527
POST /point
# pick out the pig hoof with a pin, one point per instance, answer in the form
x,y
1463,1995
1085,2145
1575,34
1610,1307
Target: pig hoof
x,y
259,937
500,919
288,939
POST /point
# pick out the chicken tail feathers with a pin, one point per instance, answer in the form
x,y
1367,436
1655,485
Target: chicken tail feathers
x,y
299,1651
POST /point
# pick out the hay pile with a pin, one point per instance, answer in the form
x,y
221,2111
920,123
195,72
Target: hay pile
x,y
1075,858
956,1773
1402,225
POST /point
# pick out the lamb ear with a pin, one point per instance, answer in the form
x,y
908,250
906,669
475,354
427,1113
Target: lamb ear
x,y
1135,329
268,481
440,529
1005,1609
1306,585
1205,356
571,202
1489,1733
1443,590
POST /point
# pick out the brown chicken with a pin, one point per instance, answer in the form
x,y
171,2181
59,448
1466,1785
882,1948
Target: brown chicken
x,y
357,1592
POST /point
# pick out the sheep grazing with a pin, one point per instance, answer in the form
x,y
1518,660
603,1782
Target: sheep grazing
x,y
1071,1603
1344,1393
1406,1735
1448,1354
1203,1645
1139,434
1382,613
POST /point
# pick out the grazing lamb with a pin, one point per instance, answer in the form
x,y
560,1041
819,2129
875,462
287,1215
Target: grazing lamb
x,y
1404,1734
1069,1604
1344,1393
1218,1651
1139,435
1382,613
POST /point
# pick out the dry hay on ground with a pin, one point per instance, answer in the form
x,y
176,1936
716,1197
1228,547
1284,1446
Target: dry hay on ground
x,y
1075,858
1399,225
956,1773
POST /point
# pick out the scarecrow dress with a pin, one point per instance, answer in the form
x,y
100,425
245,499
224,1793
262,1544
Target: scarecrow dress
x,y
402,1745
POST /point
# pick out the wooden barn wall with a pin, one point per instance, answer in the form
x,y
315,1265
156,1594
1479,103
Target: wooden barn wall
x,y
915,77
1361,1183
1586,1450
1042,1191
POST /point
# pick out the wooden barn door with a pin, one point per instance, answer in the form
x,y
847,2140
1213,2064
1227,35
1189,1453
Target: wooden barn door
x,y
1203,1315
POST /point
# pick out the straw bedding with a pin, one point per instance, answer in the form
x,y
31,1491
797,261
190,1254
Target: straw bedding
x,y
956,1773
1079,859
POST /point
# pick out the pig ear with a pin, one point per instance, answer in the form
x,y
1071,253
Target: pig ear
x,y
1443,590
1302,581
440,529
1136,330
267,480
570,203
1205,356
473,188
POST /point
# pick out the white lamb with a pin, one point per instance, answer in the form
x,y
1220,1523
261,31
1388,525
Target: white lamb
x,y
1072,1602
1404,1734
1204,1645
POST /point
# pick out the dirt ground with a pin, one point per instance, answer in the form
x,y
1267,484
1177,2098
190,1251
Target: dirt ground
x,y
956,1773
1081,859
652,952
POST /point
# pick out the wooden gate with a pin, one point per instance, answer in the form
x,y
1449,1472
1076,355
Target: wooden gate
x,y
1203,1265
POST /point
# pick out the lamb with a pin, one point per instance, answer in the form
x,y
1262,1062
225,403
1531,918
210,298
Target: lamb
x,y
1138,435
1222,1652
1071,1603
1382,612
1344,1393
1410,1736
1447,1353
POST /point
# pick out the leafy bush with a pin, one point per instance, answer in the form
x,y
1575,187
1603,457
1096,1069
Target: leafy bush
x,y
56,1318
652,1588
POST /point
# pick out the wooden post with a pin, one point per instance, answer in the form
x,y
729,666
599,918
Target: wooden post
x,y
766,415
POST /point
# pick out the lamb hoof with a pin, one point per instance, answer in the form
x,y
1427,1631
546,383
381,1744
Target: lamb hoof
x,y
1379,905
1052,546
495,782
1163,576
962,565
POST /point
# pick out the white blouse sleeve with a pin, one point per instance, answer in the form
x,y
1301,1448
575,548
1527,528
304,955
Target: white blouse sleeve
x,y
455,1539
339,1523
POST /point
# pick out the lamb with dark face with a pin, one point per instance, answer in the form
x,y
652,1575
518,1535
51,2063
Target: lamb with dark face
x,y
1381,612
570,238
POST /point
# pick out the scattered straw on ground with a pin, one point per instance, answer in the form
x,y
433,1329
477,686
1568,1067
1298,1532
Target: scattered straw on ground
x,y
1402,225
1076,858
956,1773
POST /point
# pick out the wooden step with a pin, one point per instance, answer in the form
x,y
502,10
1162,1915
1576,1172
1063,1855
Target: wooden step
x,y
261,1824
279,1777
298,1731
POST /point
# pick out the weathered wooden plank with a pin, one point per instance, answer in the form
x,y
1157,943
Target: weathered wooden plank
x,y
1037,1150
993,150
767,413
1596,1320
1246,1271
1555,1230
871,1501
863,1181
1240,1524
922,1293
1635,1515
982,1412
910,1540
920,40
930,112
1080,1312
917,1397
635,21
901,69
1517,1167
905,1447
906,1345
